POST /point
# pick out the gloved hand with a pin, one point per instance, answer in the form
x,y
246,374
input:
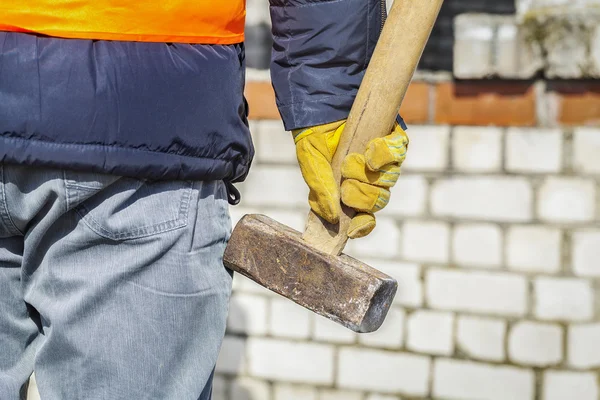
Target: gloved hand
x,y
367,177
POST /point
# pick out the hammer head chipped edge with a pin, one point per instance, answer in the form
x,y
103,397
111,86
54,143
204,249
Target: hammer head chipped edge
x,y
339,288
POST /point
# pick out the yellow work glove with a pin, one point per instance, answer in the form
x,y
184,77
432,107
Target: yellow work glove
x,y
367,177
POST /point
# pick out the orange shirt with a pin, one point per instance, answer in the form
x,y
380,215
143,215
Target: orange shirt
x,y
184,21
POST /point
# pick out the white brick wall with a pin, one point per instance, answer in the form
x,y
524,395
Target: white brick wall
x,y
247,314
567,200
289,320
477,149
250,389
390,335
495,198
383,371
563,299
428,148
474,381
273,144
586,147
534,150
409,197
340,395
561,385
534,248
583,345
296,392
287,361
586,253
536,344
408,276
426,241
473,36
481,338
479,292
384,241
477,245
431,332
493,237
232,358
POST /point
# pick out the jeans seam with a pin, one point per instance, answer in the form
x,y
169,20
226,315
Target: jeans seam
x,y
4,212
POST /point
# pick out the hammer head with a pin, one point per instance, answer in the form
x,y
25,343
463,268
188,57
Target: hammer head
x,y
340,288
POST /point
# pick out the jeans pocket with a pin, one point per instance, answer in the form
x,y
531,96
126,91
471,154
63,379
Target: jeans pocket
x,y
131,208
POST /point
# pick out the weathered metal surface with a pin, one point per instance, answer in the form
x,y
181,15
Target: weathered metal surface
x,y
340,288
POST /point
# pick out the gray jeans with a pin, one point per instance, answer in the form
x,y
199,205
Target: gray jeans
x,y
110,288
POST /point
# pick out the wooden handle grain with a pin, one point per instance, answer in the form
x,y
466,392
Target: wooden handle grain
x,y
374,111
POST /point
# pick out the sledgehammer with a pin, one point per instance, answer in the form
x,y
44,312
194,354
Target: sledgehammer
x,y
310,269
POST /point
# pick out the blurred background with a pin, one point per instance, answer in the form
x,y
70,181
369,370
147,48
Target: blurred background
x,y
492,232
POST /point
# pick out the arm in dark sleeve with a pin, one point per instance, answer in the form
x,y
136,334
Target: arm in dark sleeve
x,y
320,53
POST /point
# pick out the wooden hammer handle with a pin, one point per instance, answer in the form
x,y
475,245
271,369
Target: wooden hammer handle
x,y
381,92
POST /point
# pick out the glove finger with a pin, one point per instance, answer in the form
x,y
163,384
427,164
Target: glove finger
x,y
387,150
361,225
364,197
355,167
324,197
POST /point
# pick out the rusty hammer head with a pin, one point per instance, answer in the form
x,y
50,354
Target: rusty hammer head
x,y
340,288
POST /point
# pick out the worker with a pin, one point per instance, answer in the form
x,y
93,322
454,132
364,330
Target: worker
x,y
123,127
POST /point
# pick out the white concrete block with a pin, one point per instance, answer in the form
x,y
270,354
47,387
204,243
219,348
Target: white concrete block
x,y
562,385
595,52
219,388
481,338
586,253
408,276
478,292
428,148
267,186
295,392
250,389
563,299
340,395
467,380
473,38
409,197
236,213
382,397
273,144
477,245
295,219
426,241
382,371
516,57
534,150
567,200
504,199
477,149
384,241
431,332
247,314
257,12
332,332
241,284
289,320
306,363
535,344
584,346
586,147
232,356
534,248
391,333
